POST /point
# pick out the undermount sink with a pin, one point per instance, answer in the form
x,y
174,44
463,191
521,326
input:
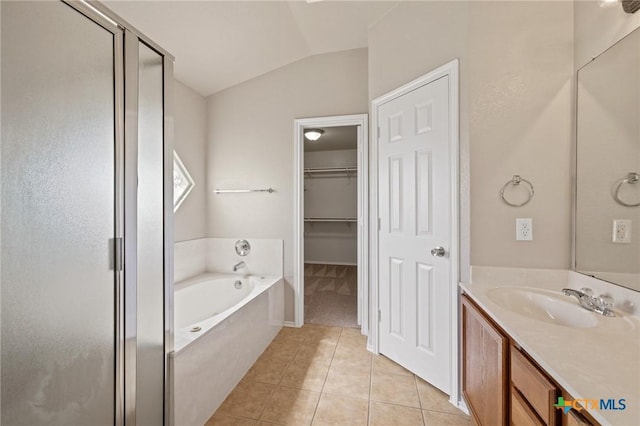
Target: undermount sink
x,y
543,305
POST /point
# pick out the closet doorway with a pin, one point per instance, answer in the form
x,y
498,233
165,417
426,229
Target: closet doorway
x,y
330,232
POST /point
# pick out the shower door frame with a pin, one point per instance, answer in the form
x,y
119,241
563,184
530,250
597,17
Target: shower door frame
x,y
126,67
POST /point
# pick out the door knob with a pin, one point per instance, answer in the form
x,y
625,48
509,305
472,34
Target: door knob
x,y
438,252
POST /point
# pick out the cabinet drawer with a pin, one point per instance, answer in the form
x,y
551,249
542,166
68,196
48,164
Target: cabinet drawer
x,y
521,414
534,386
576,419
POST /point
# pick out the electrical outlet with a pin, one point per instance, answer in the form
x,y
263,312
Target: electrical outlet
x,y
621,231
524,229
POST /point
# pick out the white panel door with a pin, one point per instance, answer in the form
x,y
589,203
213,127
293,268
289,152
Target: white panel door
x,y
415,214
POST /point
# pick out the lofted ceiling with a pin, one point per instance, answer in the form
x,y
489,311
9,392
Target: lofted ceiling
x,y
218,44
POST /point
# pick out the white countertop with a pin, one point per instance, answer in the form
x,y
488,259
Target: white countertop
x,y
589,363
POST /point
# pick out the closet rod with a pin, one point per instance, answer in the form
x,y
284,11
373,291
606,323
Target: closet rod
x,y
330,219
331,169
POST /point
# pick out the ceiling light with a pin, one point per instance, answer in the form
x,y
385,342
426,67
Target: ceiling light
x,y
313,134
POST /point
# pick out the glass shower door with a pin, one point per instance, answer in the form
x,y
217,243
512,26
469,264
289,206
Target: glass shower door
x,y
59,179
150,386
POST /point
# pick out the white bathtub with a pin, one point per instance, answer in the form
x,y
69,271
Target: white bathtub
x,y
220,331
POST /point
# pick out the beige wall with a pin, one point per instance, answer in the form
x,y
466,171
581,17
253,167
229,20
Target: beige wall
x,y
411,40
520,102
597,28
250,144
335,196
515,113
190,144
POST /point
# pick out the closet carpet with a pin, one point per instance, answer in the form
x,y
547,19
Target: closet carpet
x,y
331,295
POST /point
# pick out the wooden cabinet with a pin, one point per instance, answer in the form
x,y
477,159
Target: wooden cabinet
x,y
576,418
521,412
501,384
537,391
484,380
573,418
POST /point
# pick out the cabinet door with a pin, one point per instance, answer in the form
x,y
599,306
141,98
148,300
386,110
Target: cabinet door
x,y
484,382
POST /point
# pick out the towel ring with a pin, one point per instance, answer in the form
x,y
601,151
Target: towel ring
x,y
516,181
631,179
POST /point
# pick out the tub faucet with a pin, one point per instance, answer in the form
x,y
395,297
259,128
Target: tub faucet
x,y
600,305
239,266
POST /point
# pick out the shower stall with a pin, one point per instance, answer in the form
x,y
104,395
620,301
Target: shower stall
x,y
86,165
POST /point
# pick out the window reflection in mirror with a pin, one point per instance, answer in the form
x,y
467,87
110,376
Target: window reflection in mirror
x,y
607,227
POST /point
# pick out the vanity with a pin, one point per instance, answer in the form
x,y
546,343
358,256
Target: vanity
x,y
562,347
525,344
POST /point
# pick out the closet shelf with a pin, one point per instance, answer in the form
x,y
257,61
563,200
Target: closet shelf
x,y
330,171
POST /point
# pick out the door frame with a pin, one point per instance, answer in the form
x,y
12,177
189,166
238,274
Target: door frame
x,y
449,69
300,125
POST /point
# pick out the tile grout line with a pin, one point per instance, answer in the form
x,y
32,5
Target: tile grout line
x,y
415,381
407,406
233,416
370,390
279,381
315,409
423,409
326,377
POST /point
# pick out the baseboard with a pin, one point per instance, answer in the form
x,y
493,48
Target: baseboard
x,y
319,262
463,406
289,324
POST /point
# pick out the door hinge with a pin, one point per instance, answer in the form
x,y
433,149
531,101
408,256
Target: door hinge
x,y
378,132
379,315
379,224
119,254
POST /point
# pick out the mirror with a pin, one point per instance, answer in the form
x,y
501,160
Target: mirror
x,y
607,211
182,182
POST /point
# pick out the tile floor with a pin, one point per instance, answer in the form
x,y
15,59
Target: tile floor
x,y
324,375
331,295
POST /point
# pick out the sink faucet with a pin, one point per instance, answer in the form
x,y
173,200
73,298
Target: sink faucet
x,y
239,266
600,305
